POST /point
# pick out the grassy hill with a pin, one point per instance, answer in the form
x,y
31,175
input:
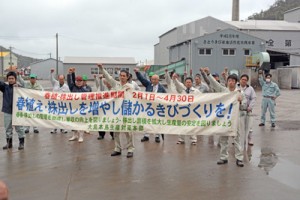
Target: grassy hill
x,y
276,11
23,61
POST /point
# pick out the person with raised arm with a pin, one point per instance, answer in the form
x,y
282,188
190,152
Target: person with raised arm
x,y
120,85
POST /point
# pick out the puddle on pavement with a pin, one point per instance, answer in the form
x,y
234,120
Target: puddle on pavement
x,y
277,168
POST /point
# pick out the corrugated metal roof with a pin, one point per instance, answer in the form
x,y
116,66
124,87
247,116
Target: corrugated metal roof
x,y
103,60
39,61
287,51
266,25
291,10
4,53
195,21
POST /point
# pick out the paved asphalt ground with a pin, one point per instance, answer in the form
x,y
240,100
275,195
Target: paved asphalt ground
x,y
51,167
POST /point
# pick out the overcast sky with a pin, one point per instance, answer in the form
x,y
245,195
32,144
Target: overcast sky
x,y
100,28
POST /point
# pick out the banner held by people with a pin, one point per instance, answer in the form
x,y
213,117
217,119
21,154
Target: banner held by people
x,y
128,111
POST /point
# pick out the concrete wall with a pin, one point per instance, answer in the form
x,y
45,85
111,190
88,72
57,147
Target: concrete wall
x,y
296,77
274,74
285,78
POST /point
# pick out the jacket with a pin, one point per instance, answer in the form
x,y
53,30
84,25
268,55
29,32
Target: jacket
x,y
72,86
56,86
8,91
148,85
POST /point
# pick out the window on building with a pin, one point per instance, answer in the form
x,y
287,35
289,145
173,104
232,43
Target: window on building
x,y
94,70
205,51
247,52
228,52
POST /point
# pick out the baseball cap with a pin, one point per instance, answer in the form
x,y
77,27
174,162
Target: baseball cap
x,y
78,78
33,76
215,74
84,77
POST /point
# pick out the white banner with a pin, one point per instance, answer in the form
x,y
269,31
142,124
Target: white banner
x,y
130,111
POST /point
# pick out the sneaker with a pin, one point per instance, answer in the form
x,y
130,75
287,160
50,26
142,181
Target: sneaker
x,y
115,153
261,124
63,131
80,139
157,139
73,138
21,146
194,143
239,163
180,142
250,142
36,131
273,125
144,139
100,138
53,131
222,162
26,131
129,154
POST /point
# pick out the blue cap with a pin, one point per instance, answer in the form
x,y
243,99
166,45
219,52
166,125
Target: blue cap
x,y
215,74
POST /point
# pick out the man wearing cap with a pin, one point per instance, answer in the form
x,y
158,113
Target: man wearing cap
x,y
239,138
34,85
270,92
85,85
120,85
186,88
7,105
76,86
58,86
151,86
206,79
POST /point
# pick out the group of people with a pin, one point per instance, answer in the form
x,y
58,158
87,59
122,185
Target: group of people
x,y
202,82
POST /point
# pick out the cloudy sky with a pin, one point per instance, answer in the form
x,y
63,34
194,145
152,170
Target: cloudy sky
x,y
103,28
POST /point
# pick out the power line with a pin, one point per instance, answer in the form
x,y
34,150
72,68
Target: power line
x,y
25,37
99,43
32,53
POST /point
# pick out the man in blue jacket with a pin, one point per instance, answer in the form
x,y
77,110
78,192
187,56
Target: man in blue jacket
x,y
153,86
270,92
8,91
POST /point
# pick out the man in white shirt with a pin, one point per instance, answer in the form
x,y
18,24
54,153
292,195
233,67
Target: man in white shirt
x,y
58,86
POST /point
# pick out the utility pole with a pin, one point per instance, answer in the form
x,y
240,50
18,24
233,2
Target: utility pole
x,y
56,54
2,67
50,55
10,58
